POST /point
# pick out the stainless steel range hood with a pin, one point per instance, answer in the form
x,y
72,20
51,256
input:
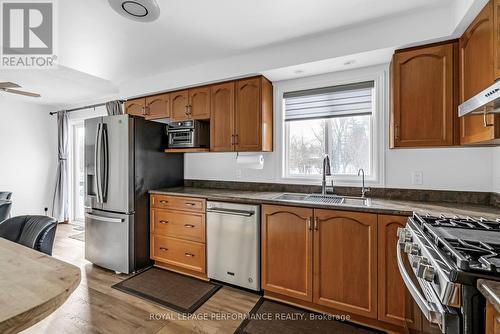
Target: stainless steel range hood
x,y
486,102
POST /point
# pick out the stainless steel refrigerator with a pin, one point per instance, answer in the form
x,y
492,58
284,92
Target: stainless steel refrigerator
x,y
124,159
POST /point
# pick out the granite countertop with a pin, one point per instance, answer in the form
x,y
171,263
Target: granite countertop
x,y
384,206
491,290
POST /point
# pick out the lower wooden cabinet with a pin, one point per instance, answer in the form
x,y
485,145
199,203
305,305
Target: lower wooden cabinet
x,y
492,319
287,251
395,304
178,234
345,261
337,262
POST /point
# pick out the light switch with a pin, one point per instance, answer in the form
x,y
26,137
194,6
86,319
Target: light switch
x,y
418,178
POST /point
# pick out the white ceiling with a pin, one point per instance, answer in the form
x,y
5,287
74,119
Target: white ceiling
x,y
99,49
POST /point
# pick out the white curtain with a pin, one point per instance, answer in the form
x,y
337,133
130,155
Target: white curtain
x,y
60,204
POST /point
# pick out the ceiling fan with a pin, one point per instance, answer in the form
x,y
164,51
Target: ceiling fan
x,y
7,87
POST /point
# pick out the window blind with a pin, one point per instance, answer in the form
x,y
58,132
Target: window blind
x,y
337,101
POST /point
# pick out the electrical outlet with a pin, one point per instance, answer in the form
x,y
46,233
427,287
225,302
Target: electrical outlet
x,y
418,178
238,173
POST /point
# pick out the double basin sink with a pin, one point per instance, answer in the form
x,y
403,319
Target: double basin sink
x,y
323,199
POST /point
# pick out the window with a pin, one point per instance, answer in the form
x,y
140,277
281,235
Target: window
x,y
77,171
337,121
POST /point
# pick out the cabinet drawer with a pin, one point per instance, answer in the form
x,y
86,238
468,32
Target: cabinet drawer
x,y
178,203
181,253
182,225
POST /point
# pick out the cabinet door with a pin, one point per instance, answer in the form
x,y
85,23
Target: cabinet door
x,y
135,107
477,72
287,251
179,106
395,304
222,117
248,115
199,103
345,261
424,105
158,106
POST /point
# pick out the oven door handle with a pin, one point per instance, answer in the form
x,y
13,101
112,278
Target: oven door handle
x,y
431,311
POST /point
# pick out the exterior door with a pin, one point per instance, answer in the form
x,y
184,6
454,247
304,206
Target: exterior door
x,y
287,251
117,168
135,107
424,111
345,261
222,117
248,115
179,105
199,103
158,106
395,304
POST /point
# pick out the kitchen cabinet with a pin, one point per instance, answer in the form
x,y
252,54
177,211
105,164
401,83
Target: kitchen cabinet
x,y
395,304
241,116
287,251
492,319
135,107
179,105
345,261
177,234
191,103
479,68
222,117
424,98
157,106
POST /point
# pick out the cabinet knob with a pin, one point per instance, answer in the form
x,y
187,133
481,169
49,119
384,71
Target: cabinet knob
x,y
189,254
163,249
189,225
163,202
163,221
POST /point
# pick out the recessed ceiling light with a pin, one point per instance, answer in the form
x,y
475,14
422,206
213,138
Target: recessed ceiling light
x,y
137,10
349,62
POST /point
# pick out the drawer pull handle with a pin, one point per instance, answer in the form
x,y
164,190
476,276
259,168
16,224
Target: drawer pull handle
x,y
163,249
189,254
163,202
188,225
190,204
163,221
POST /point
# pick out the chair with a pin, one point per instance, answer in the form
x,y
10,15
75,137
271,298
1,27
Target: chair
x,y
37,232
5,195
5,207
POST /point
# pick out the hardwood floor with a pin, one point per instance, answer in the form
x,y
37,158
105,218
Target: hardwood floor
x,y
95,307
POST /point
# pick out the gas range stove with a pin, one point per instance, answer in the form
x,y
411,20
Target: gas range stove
x,y
447,255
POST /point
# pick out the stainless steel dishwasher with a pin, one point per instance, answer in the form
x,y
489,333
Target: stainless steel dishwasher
x,y
233,244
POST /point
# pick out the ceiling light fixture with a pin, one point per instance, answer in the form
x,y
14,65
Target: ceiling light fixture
x,y
349,62
137,10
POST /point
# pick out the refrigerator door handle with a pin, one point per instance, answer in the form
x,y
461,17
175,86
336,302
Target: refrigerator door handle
x,y
105,149
97,161
104,219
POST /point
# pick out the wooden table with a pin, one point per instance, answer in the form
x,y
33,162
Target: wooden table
x,y
32,285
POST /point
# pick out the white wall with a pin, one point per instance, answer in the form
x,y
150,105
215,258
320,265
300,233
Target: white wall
x,y
496,169
468,169
28,154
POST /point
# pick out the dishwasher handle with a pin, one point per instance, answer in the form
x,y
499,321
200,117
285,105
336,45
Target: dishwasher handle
x,y
232,212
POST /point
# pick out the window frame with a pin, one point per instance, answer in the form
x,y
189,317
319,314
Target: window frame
x,y
377,74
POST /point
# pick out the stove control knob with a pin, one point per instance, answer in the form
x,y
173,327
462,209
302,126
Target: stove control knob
x,y
403,234
418,260
429,274
426,272
411,248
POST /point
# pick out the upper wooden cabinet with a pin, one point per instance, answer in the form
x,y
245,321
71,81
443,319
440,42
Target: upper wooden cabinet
x,y
424,96
243,117
395,304
191,104
479,68
287,266
179,105
157,106
136,107
345,261
222,117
